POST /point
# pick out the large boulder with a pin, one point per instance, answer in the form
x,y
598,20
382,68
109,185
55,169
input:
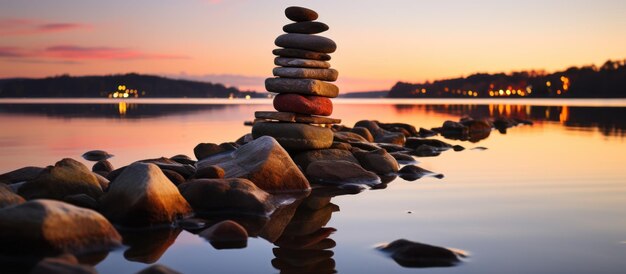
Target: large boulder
x,y
305,158
20,175
8,198
66,177
48,227
141,195
378,161
262,161
216,196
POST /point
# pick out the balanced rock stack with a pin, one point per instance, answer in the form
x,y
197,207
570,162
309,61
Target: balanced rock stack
x,y
301,82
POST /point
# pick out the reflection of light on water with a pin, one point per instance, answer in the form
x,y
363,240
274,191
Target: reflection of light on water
x,y
528,109
564,114
122,108
491,109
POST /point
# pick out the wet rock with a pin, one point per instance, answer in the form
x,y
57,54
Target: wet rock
x,y
341,146
300,14
311,105
143,196
382,135
407,129
148,245
8,198
414,143
264,162
64,264
301,86
365,146
158,269
364,132
393,147
378,161
20,175
102,167
102,181
82,200
425,133
174,176
304,159
458,148
402,158
299,53
226,235
235,195
307,73
412,254
204,150
40,227
183,159
192,224
412,173
66,177
340,172
165,163
306,42
300,63
295,136
348,137
210,172
96,155
427,151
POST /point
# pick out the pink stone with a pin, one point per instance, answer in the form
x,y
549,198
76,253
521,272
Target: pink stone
x,y
311,104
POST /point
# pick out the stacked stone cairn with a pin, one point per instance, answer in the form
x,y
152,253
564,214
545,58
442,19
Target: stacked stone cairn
x,y
302,79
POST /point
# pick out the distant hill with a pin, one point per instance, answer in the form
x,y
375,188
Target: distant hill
x,y
608,81
365,94
145,86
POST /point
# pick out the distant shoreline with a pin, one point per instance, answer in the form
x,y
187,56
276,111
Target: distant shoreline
x,y
583,102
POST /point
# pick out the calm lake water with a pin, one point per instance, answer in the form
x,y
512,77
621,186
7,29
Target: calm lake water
x,y
546,198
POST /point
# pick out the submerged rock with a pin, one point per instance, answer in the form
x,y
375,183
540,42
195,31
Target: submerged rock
x,y
340,172
264,162
226,235
412,254
48,227
414,143
143,196
66,177
234,195
412,173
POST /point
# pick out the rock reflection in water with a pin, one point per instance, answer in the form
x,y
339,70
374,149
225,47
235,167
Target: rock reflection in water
x,y
148,245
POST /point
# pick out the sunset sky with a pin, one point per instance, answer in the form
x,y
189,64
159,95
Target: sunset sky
x,y
379,42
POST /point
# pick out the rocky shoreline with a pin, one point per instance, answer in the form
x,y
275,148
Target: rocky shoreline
x,y
275,183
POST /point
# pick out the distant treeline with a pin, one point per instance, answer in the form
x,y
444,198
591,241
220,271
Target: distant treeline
x,y
607,81
146,86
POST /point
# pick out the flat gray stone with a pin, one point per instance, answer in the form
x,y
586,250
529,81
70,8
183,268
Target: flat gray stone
x,y
305,27
295,136
300,53
301,86
307,73
295,117
300,63
307,42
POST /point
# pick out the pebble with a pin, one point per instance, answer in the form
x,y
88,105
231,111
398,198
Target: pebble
x,y
300,63
300,14
305,27
306,42
301,86
307,73
299,53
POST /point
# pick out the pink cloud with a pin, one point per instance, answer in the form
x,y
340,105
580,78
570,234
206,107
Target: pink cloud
x,y
79,53
20,26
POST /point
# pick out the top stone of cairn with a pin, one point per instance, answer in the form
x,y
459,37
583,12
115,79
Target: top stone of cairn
x,y
300,14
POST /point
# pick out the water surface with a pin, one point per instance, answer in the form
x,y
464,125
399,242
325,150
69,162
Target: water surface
x,y
546,198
